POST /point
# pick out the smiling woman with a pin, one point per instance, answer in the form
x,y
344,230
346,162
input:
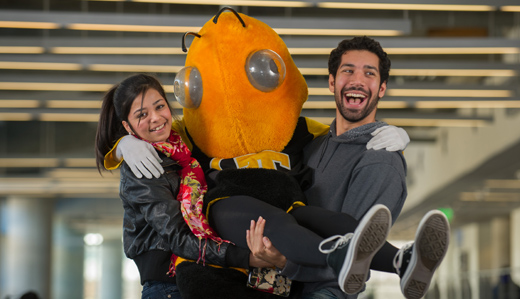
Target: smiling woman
x,y
163,218
150,117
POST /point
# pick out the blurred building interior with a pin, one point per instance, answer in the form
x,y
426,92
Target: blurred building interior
x,y
454,86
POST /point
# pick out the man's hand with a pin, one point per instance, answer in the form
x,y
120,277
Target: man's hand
x,y
261,247
140,156
390,138
258,262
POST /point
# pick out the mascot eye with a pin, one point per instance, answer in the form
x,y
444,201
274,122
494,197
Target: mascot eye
x,y
265,70
187,87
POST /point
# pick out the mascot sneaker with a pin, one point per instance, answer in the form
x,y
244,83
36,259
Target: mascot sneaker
x,y
416,262
351,254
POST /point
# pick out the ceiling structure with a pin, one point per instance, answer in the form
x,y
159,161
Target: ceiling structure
x,y
453,65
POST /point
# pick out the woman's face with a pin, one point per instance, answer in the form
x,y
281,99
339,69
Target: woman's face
x,y
152,119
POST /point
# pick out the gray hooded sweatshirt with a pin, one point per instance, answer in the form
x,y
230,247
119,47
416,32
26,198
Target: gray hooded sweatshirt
x,y
349,178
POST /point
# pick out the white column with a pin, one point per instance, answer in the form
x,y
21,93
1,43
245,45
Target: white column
x,y
112,269
449,270
465,267
515,246
68,257
28,246
3,254
500,247
473,260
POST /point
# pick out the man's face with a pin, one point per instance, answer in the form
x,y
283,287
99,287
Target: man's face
x,y
356,87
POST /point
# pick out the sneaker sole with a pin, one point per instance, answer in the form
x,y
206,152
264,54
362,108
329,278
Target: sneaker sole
x,y
432,242
369,237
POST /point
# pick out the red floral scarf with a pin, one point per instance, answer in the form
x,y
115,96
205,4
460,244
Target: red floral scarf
x,y
192,187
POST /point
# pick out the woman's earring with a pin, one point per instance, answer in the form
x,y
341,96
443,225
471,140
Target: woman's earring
x,y
130,133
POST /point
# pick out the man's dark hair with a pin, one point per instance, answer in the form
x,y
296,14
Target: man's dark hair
x,y
360,43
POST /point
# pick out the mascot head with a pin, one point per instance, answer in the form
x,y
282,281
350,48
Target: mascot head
x,y
241,91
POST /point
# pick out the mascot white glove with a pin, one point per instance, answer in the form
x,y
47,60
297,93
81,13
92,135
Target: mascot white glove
x,y
390,138
140,156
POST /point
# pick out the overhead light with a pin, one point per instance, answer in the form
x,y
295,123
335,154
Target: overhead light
x,y
319,91
323,120
63,173
314,71
293,51
227,2
453,50
15,116
466,104
305,71
183,29
319,105
21,50
53,66
44,187
134,68
117,50
80,162
337,32
19,103
280,31
80,173
54,86
449,93
73,104
453,73
29,25
80,104
419,122
503,184
490,196
513,8
429,72
332,105
93,239
384,104
72,117
100,87
406,6
416,122
131,28
420,51
310,51
26,181
28,162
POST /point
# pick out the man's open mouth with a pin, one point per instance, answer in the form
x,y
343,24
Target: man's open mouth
x,y
355,99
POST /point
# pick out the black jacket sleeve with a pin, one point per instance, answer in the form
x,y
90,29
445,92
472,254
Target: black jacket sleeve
x,y
153,220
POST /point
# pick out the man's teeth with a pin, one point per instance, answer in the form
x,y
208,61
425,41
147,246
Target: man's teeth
x,y
158,128
355,95
355,98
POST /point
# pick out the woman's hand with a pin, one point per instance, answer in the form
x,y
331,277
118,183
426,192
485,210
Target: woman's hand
x,y
261,247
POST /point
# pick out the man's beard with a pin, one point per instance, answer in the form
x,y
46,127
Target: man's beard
x,y
356,115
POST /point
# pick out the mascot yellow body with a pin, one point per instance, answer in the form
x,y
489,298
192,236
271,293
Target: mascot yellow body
x,y
241,107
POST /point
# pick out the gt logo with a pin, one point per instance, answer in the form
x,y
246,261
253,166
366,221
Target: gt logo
x,y
265,159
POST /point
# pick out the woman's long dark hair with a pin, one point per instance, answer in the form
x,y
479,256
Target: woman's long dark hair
x,y
115,109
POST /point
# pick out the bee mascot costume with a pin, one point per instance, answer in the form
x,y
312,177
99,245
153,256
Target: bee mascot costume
x,y
242,96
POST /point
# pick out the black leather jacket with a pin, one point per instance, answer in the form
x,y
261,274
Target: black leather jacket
x,y
153,226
